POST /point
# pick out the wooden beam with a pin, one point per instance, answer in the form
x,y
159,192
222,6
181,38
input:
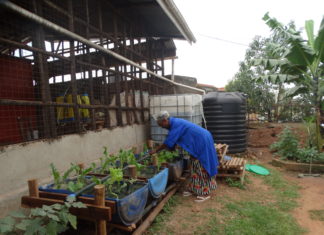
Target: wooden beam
x,y
48,114
92,212
86,200
73,70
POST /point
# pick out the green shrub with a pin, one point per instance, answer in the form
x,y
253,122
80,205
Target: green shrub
x,y
309,154
286,146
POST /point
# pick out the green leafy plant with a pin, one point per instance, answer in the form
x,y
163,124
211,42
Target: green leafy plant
x,y
81,179
300,62
167,156
48,220
56,176
116,177
286,146
308,155
131,160
309,123
60,180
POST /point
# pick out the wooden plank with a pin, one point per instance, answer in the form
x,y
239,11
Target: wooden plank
x,y
234,162
229,175
130,228
243,172
92,212
86,200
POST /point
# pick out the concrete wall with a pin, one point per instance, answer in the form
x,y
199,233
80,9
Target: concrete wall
x,y
21,162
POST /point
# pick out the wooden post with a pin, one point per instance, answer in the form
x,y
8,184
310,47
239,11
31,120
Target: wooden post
x,y
41,70
105,74
126,89
154,160
117,75
93,111
135,150
100,201
141,92
150,144
33,188
132,171
81,165
73,71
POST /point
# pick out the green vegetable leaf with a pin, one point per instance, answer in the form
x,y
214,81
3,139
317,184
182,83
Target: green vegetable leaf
x,y
38,212
23,224
319,42
18,214
53,217
48,209
57,206
51,228
6,224
79,205
70,199
72,220
35,227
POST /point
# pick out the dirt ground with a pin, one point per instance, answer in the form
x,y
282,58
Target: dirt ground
x,y
311,189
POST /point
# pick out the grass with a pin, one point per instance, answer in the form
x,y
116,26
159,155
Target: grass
x,y
164,216
265,212
254,218
286,193
317,214
234,183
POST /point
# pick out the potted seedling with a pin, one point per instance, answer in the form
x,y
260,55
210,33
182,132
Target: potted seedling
x,y
173,161
71,181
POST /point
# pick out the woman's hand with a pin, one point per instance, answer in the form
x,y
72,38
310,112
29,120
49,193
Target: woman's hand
x,y
153,151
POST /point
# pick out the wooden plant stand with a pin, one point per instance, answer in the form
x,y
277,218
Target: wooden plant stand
x,y
234,168
98,209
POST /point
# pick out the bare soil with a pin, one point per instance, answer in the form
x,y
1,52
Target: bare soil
x,y
188,216
312,195
311,188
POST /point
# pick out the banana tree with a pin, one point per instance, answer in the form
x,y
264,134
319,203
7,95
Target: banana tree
x,y
301,63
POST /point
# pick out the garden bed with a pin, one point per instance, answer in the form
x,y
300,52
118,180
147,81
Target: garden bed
x,y
299,167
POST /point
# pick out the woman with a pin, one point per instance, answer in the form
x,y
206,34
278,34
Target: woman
x,y
198,142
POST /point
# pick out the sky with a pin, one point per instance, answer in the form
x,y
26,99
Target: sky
x,y
214,61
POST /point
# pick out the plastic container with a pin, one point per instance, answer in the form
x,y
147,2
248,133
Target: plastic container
x,y
129,209
175,170
157,184
225,114
185,106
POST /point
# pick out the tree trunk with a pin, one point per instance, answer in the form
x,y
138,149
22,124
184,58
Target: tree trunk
x,y
318,114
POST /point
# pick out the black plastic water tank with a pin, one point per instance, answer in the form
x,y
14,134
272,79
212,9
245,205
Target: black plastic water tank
x,y
225,114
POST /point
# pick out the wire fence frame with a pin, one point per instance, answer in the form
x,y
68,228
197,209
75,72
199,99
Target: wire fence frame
x,y
126,76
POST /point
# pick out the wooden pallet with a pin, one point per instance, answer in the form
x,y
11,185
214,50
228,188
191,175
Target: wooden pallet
x,y
234,168
221,151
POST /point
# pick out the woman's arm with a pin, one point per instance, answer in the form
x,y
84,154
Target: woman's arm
x,y
159,148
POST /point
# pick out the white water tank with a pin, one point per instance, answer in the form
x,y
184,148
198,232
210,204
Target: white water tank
x,y
185,106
